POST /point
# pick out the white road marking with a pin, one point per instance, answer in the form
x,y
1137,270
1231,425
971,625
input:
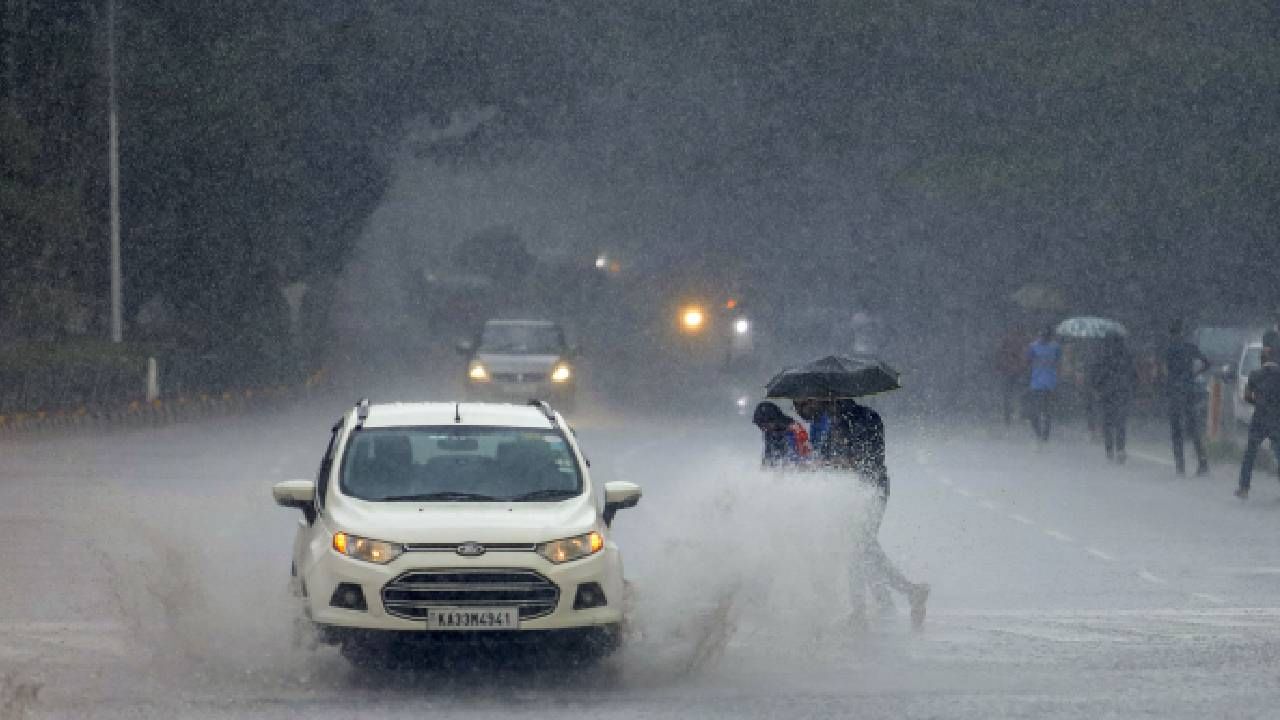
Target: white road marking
x,y
1060,536
1209,598
1251,570
1022,519
989,505
1099,554
1152,577
1151,458
963,493
946,480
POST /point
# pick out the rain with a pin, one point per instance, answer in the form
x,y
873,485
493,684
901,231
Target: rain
x,y
741,359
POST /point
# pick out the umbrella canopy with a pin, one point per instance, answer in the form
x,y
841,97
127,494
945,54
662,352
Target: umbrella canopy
x,y
1090,328
834,376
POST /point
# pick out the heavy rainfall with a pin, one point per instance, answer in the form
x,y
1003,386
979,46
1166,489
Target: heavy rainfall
x,y
550,359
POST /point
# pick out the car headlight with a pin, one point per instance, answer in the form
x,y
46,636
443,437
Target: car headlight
x,y
742,326
478,373
374,551
574,548
562,373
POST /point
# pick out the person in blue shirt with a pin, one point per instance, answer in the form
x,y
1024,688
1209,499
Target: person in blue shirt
x,y
1045,357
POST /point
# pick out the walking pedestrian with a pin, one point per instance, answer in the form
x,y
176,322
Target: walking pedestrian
x,y
1263,392
1045,358
1184,363
1012,371
786,442
851,437
1112,377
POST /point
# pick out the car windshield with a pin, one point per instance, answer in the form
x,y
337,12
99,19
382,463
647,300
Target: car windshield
x,y
521,338
452,464
1251,361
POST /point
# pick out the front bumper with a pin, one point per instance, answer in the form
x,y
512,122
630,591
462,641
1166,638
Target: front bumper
x,y
321,580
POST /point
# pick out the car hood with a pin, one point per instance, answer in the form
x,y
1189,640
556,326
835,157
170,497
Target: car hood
x,y
458,522
499,362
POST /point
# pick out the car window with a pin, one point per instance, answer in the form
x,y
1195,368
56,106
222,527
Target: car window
x,y
516,338
460,464
1251,361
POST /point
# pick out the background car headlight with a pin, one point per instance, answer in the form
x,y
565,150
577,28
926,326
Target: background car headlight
x,y
562,551
478,373
562,373
374,551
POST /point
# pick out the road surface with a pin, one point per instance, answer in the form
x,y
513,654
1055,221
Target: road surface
x,y
144,575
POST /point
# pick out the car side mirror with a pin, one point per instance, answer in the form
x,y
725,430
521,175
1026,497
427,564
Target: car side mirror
x,y
300,494
619,495
464,347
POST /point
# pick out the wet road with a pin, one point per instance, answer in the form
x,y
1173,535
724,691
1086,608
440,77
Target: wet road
x,y
144,575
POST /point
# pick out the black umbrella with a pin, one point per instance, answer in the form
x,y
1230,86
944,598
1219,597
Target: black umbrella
x,y
834,376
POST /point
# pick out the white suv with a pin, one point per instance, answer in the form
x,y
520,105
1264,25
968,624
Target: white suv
x,y
438,522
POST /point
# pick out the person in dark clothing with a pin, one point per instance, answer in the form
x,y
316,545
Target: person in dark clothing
x,y
1263,392
1012,370
854,439
1184,363
786,441
1113,376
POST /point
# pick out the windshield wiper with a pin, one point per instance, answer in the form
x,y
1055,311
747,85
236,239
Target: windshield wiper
x,y
546,494
450,496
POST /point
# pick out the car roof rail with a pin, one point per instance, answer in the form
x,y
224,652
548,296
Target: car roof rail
x,y
362,412
545,408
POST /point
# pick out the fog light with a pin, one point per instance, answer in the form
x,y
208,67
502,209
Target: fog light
x,y
590,595
348,596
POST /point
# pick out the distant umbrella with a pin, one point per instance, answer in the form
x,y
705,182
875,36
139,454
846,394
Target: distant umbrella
x,y
1089,328
834,377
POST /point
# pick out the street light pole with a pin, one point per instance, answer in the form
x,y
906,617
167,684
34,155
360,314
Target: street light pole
x,y
117,313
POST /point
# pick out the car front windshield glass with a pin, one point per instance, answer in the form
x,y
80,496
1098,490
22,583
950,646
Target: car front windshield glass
x,y
460,464
516,338
1252,361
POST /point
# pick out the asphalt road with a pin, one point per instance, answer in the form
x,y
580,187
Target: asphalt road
x,y
144,575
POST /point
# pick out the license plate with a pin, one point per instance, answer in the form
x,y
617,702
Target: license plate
x,y
473,619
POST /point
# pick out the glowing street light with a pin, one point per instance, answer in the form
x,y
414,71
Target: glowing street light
x,y
692,319
741,326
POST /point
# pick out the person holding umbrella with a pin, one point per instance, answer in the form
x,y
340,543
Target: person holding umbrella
x,y
849,436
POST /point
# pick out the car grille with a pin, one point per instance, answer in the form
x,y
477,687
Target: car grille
x,y
409,595
520,377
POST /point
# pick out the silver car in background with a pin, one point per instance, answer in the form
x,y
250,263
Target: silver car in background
x,y
519,360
